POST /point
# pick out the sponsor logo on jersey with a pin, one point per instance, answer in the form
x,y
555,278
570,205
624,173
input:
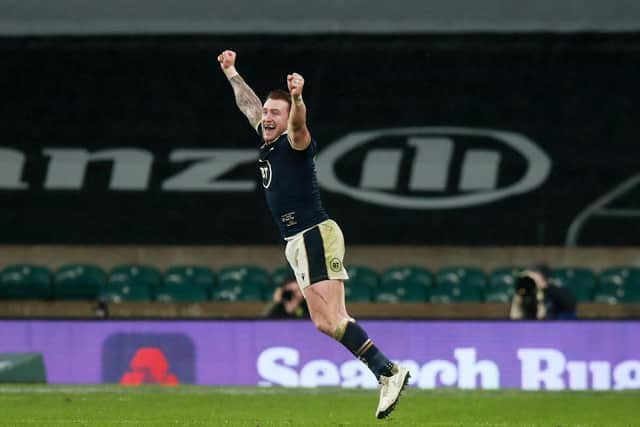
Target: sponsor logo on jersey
x,y
265,172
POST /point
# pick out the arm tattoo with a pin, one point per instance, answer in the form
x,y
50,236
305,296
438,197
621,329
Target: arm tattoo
x,y
247,101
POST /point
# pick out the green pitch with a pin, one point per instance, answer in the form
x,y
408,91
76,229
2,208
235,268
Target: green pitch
x,y
234,406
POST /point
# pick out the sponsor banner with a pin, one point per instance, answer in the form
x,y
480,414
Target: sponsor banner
x,y
488,355
474,140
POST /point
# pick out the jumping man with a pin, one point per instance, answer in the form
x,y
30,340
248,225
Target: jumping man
x,y
315,245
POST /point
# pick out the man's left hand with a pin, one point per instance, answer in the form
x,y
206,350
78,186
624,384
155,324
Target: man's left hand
x,y
295,83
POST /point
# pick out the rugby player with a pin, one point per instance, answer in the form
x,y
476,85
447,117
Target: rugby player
x,y
315,244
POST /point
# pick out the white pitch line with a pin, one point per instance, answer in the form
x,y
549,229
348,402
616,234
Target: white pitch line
x,y
242,391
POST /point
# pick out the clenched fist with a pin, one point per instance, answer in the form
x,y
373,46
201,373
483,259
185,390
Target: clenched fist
x,y
227,59
295,83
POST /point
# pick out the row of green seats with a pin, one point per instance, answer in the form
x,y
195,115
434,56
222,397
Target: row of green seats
x,y
471,284
135,283
251,283
417,284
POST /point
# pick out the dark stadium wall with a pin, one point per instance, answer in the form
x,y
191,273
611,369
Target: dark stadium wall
x,y
424,139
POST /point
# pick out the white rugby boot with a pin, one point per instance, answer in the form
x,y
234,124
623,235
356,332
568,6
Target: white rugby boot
x,y
390,390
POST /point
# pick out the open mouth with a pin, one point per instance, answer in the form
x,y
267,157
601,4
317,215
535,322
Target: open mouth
x,y
269,130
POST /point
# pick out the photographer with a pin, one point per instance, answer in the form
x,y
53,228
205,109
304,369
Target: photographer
x,y
536,297
288,302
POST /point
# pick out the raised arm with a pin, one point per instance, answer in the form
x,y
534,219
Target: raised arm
x,y
246,99
299,135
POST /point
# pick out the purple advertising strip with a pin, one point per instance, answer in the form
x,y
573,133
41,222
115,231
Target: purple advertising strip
x,y
528,355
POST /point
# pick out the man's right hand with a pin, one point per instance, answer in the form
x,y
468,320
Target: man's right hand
x,y
246,99
227,60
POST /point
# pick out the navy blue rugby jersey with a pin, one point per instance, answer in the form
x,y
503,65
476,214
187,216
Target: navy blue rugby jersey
x,y
290,185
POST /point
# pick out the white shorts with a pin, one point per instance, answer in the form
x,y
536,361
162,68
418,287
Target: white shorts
x,y
316,254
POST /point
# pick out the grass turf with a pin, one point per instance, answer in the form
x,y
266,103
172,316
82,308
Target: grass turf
x,y
22,405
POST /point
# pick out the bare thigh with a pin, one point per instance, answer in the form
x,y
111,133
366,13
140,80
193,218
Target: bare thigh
x,y
326,302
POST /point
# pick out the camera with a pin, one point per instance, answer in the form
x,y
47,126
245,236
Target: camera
x,y
537,296
287,295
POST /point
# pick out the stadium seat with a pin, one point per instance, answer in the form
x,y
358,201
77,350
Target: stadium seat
x,y
191,276
182,292
459,284
501,284
78,282
25,281
242,283
364,275
461,276
455,293
278,277
605,297
618,285
444,294
362,283
404,284
135,274
116,293
131,282
581,281
632,287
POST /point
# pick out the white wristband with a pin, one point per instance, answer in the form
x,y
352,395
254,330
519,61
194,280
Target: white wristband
x,y
230,72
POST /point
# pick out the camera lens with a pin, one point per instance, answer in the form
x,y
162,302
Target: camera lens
x,y
287,295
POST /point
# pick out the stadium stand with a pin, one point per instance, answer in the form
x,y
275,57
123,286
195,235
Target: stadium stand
x,y
404,284
78,282
362,283
618,285
581,281
131,282
501,284
182,292
251,283
199,280
459,284
242,283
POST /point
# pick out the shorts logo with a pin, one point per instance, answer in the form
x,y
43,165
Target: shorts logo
x,y
335,265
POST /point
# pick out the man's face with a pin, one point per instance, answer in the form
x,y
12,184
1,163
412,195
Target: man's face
x,y
275,116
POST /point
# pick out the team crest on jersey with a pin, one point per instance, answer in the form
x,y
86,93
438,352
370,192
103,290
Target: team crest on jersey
x,y
265,172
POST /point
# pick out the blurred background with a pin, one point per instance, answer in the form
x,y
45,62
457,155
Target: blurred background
x,y
458,146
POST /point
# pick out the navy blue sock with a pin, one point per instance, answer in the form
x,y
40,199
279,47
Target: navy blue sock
x,y
352,336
